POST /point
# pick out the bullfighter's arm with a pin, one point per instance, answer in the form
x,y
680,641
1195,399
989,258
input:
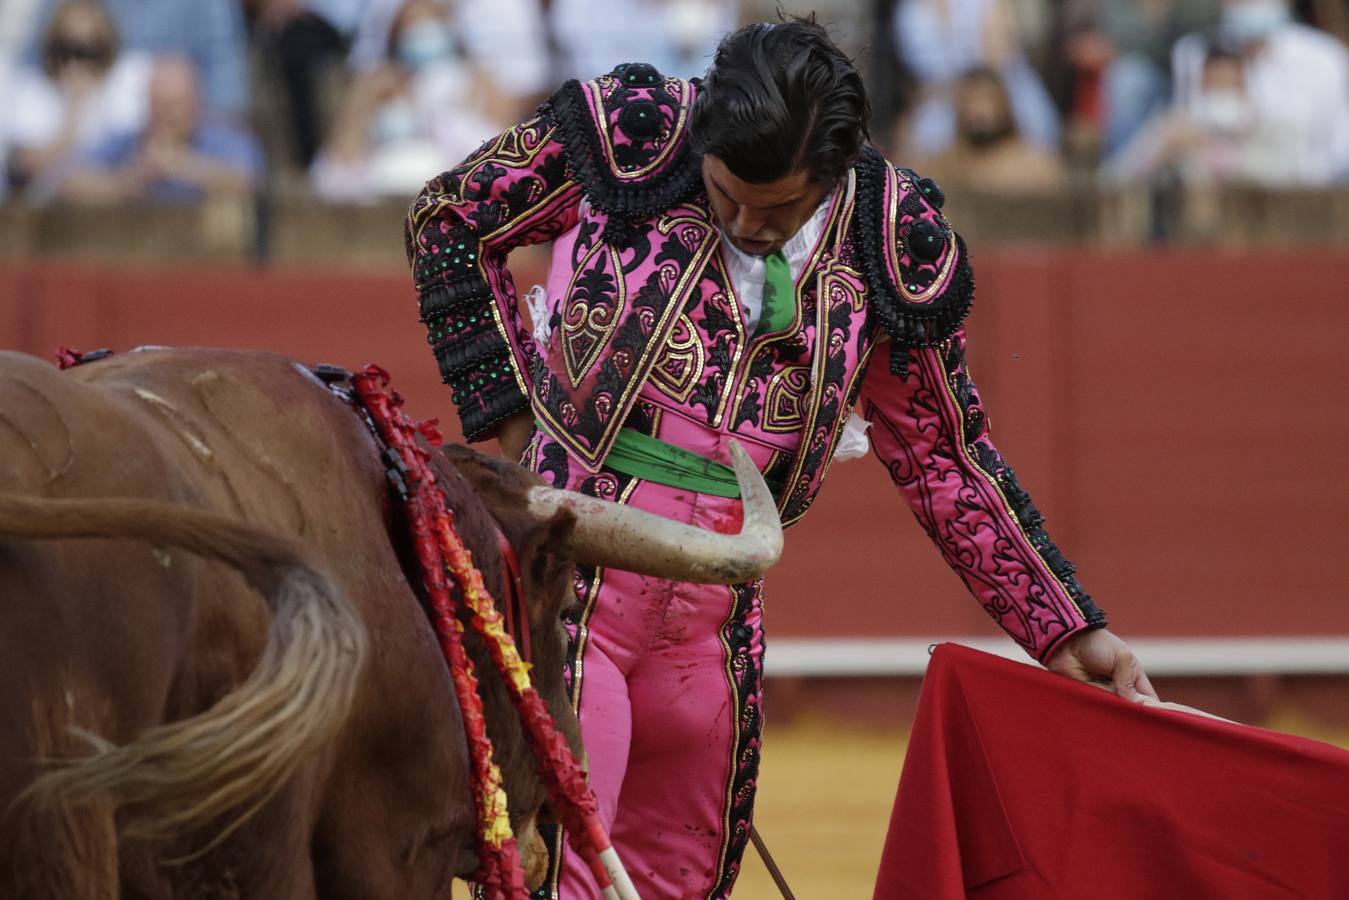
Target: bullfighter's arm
x,y
930,430
928,425
514,190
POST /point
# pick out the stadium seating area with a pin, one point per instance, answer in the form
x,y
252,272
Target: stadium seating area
x,y
294,132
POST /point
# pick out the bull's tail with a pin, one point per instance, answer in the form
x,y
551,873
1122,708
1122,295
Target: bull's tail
x,y
234,756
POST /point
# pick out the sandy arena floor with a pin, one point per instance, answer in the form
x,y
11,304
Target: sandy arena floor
x,y
825,792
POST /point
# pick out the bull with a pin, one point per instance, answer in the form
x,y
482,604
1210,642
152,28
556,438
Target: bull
x,y
224,647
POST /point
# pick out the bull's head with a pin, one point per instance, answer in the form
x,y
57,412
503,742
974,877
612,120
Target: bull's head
x,y
552,531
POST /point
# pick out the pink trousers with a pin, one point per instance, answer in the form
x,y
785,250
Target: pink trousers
x,y
666,679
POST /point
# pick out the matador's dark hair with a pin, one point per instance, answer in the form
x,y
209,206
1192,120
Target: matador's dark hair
x,y
779,98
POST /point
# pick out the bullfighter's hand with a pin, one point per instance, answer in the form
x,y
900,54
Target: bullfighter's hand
x,y
1098,655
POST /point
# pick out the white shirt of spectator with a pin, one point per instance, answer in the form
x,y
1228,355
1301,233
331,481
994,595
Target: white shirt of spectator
x,y
18,26
1298,84
410,135
747,276
118,106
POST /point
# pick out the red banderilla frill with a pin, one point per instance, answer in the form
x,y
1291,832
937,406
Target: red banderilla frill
x,y
439,549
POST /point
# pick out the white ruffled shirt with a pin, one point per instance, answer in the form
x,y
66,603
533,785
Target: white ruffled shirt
x,y
747,276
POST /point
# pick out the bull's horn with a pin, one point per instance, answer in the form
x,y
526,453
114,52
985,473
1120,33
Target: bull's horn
x,y
609,534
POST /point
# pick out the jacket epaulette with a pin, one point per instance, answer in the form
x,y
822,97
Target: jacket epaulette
x,y
627,142
917,267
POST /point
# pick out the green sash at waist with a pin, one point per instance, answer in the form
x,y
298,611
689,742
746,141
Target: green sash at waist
x,y
652,459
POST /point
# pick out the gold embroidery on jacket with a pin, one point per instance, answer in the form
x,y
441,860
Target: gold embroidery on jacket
x,y
680,366
825,283
787,388
595,298
694,230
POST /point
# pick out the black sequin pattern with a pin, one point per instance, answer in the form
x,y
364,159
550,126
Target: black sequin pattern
x,y
450,265
747,678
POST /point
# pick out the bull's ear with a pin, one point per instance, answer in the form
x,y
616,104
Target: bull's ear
x,y
552,562
499,482
546,549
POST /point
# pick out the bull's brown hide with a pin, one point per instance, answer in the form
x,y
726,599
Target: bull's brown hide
x,y
116,636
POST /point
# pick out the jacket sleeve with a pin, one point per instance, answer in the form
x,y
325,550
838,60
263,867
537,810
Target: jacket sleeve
x,y
514,190
930,430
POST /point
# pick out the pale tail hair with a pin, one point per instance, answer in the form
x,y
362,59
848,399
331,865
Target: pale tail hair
x,y
230,759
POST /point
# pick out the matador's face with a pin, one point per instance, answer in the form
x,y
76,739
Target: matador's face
x,y
760,217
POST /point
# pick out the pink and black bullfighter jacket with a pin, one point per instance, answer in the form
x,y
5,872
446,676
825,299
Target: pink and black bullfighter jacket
x,y
646,325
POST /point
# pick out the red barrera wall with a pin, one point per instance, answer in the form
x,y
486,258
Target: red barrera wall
x,y
1179,418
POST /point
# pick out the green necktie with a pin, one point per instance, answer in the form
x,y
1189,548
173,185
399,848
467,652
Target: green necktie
x,y
779,295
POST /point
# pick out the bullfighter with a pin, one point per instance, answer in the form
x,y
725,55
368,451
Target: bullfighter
x,y
731,259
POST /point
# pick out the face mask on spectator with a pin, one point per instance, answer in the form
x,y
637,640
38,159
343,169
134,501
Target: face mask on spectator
x,y
981,135
1247,23
67,50
424,43
394,123
1222,111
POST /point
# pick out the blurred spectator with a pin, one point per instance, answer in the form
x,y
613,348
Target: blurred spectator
x,y
307,40
1296,79
85,91
179,157
422,111
19,21
1033,22
1119,52
505,40
989,153
1218,137
678,37
209,32
938,40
